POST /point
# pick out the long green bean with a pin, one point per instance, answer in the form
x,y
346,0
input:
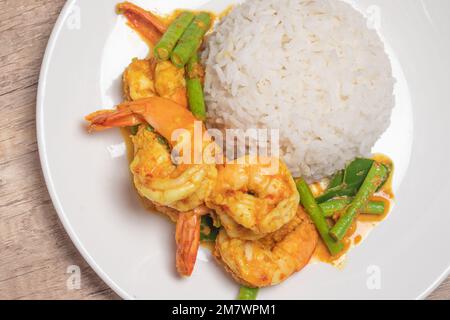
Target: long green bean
x,y
317,216
191,40
169,40
331,207
246,293
375,177
195,89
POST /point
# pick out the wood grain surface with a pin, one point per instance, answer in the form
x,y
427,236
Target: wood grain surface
x,y
35,251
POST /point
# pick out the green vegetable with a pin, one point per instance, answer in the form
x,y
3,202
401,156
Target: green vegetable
x,y
389,169
191,40
196,98
163,141
170,38
331,207
337,180
208,232
160,138
248,293
377,174
318,217
134,130
350,180
195,89
374,208
194,69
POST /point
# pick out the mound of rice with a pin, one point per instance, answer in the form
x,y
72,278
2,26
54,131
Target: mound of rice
x,y
312,69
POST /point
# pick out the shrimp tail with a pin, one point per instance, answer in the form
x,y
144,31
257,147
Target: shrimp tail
x,y
164,115
188,241
107,119
146,23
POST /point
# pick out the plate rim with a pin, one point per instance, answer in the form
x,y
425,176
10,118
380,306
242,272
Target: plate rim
x,y
43,157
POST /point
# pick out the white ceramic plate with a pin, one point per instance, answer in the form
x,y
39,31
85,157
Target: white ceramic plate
x,y
133,251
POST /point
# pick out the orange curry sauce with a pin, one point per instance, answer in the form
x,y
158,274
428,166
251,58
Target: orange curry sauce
x,y
364,222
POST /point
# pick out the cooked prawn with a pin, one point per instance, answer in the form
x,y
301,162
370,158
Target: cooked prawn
x,y
250,202
182,187
271,260
149,78
138,80
170,82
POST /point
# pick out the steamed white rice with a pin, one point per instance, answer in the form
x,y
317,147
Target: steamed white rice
x,y
312,69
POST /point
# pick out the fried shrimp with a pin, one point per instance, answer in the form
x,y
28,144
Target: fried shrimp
x,y
149,78
138,80
251,201
170,82
179,189
271,260
183,187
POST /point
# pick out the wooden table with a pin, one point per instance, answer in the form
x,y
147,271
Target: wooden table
x,y
35,251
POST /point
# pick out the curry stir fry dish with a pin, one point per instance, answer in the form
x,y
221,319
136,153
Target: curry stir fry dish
x,y
262,228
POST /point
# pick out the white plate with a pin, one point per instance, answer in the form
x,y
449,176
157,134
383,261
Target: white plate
x,y
133,251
